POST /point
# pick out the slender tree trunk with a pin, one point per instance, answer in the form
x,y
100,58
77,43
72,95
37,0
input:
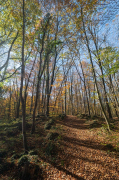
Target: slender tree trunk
x,y
32,95
9,113
85,89
18,106
113,92
94,74
71,96
94,101
21,88
105,93
47,88
43,96
18,101
65,99
102,77
37,92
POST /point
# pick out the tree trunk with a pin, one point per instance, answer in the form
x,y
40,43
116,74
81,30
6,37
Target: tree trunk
x,y
94,74
21,88
85,90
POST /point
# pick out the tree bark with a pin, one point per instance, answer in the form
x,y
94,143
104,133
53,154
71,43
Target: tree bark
x,y
21,88
94,74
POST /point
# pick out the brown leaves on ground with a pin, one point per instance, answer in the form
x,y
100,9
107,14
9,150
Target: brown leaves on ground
x,y
81,152
83,155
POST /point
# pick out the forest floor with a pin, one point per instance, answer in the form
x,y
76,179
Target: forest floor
x,y
82,150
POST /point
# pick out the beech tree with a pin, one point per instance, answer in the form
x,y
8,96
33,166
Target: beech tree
x,y
57,60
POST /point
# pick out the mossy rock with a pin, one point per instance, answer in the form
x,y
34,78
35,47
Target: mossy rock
x,y
33,152
23,160
52,136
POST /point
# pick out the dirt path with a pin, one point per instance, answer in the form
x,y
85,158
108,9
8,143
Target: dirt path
x,y
83,156
80,153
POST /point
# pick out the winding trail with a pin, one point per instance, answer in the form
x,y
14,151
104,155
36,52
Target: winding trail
x,y
83,157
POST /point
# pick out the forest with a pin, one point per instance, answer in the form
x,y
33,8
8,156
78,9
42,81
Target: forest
x,y
59,90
